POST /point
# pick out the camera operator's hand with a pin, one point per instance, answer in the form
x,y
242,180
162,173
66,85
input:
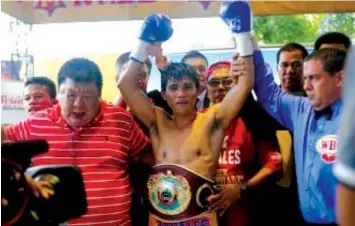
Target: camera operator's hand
x,y
41,188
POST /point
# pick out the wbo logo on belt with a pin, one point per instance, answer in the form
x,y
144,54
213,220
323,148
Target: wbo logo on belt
x,y
169,194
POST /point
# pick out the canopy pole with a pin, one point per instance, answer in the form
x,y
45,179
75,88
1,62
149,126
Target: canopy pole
x,y
21,59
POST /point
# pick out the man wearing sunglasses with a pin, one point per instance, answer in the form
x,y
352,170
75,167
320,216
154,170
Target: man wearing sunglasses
x,y
249,154
199,62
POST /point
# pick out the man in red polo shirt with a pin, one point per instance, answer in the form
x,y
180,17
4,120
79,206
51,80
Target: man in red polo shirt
x,y
38,94
85,131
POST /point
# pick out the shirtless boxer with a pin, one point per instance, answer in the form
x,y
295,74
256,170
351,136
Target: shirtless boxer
x,y
186,144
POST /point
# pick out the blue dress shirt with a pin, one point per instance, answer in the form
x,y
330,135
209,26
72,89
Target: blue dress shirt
x,y
314,141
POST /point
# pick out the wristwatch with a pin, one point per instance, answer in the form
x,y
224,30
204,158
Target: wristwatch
x,y
244,190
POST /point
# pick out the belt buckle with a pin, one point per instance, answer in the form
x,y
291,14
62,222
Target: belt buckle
x,y
201,195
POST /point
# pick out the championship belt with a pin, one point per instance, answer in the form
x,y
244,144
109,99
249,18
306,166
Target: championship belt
x,y
177,194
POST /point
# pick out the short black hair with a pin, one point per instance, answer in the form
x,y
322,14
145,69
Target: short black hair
x,y
178,71
289,47
81,70
193,54
124,58
44,81
332,38
333,60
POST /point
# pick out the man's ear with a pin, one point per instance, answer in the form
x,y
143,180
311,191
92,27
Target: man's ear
x,y
163,95
278,73
340,78
117,77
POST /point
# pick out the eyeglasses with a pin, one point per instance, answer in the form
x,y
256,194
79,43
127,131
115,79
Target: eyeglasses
x,y
200,68
217,82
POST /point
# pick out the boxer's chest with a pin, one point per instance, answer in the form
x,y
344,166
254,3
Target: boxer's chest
x,y
189,146
184,146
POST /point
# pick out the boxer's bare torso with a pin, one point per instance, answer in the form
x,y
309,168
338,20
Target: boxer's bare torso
x,y
186,144
186,138
195,146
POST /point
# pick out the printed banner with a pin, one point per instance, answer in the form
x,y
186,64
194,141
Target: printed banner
x,y
36,12
12,109
10,70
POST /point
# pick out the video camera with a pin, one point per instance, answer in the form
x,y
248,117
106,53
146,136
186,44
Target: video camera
x,y
20,206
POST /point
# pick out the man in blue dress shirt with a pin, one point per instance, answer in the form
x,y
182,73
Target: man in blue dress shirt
x,y
344,168
314,122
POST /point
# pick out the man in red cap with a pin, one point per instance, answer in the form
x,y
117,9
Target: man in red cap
x,y
249,155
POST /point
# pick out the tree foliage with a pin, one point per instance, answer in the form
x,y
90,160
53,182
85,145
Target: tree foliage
x,y
343,23
301,28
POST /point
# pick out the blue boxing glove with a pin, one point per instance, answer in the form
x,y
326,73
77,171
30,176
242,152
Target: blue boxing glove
x,y
156,28
238,16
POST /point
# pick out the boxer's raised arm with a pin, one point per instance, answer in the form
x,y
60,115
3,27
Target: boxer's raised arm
x,y
237,15
136,99
156,29
235,98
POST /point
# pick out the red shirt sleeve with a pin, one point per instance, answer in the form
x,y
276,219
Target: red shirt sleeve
x,y
138,141
19,131
270,156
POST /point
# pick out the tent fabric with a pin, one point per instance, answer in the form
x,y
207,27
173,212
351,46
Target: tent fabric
x,y
39,12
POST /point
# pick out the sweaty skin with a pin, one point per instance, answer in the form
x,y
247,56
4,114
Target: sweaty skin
x,y
195,146
187,138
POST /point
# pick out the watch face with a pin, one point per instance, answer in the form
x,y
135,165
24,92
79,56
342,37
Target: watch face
x,y
243,190
243,187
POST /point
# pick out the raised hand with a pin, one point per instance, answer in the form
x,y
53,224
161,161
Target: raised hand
x,y
162,62
238,16
155,30
238,67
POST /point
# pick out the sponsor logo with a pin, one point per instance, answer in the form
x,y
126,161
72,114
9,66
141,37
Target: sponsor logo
x,y
204,3
327,148
169,194
50,6
11,102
